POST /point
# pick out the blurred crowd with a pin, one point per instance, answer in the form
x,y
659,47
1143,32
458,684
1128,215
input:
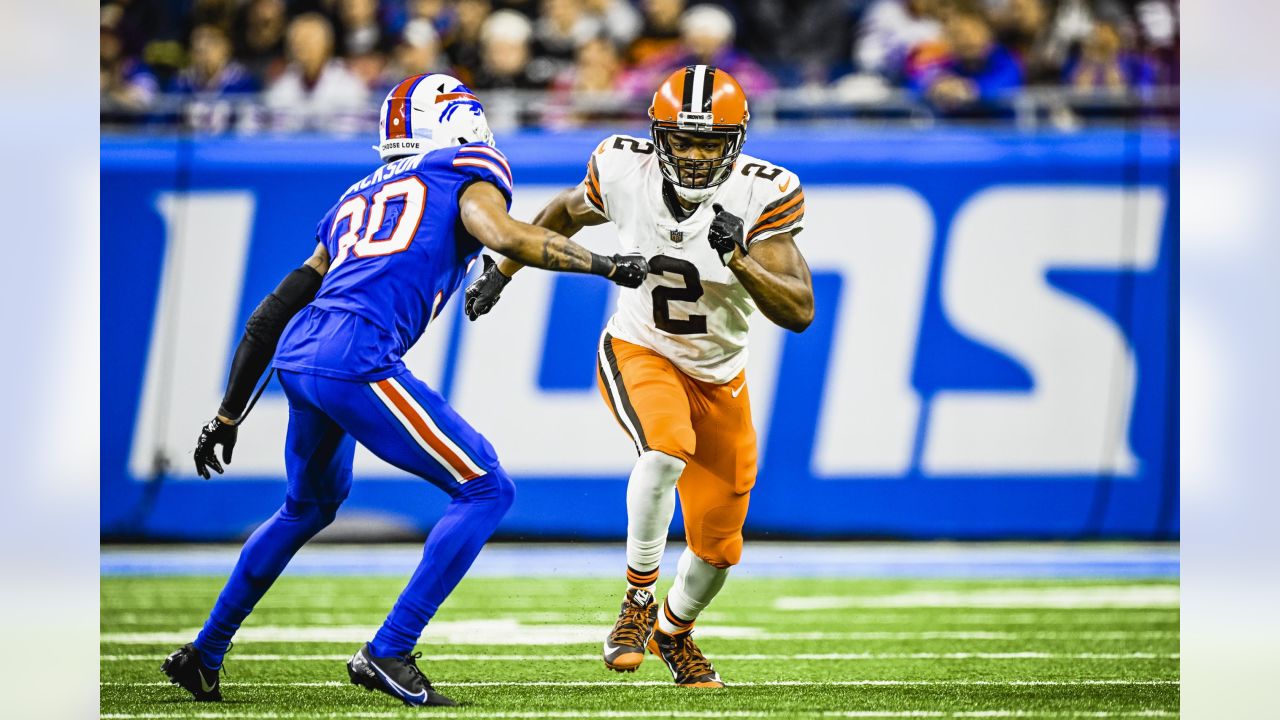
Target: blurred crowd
x,y
297,64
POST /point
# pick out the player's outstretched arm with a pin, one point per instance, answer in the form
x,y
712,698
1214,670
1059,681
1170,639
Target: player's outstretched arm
x,y
773,272
483,211
254,353
566,214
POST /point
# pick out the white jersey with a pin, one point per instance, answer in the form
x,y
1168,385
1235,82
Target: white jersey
x,y
691,309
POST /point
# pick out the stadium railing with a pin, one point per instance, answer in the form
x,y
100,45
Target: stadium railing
x,y
1028,108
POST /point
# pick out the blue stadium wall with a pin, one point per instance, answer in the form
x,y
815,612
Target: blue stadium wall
x,y
995,352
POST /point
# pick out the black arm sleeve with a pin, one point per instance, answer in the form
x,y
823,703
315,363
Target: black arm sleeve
x,y
262,332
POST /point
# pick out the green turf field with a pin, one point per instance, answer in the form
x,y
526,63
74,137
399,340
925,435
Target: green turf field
x,y
787,648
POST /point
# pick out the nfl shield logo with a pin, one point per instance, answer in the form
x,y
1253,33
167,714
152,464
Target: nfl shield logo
x,y
677,237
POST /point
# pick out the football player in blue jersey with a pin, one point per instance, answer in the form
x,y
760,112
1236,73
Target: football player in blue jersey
x,y
388,256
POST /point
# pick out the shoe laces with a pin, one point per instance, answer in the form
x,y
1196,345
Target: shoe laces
x,y
631,626
688,657
411,660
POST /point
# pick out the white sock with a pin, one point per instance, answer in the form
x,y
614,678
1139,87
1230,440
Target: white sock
x,y
651,501
697,583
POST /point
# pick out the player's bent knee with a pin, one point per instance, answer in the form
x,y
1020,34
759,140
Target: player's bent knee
x,y
506,488
721,553
679,443
662,469
494,487
717,539
314,514
665,462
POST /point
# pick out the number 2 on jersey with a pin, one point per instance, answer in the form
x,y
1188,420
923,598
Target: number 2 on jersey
x,y
353,242
664,294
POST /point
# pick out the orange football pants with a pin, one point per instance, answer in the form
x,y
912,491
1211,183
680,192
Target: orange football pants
x,y
706,425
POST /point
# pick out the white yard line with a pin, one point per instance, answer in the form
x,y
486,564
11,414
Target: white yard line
x,y
134,615
509,631
664,683
947,635
663,714
1025,655
1101,596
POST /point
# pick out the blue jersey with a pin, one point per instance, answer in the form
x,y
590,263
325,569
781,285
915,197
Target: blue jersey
x,y
397,253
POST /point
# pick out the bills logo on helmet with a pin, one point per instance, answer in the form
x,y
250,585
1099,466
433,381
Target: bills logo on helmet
x,y
456,100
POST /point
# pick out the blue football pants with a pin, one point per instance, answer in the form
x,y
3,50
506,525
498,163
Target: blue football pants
x,y
410,426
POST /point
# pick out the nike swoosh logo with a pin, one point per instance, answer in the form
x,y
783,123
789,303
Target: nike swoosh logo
x,y
783,187
422,696
204,686
610,649
739,390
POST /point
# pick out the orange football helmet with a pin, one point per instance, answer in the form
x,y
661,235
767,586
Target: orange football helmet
x,y
703,100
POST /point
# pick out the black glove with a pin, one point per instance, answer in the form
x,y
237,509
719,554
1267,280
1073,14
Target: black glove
x,y
483,294
213,434
629,270
726,234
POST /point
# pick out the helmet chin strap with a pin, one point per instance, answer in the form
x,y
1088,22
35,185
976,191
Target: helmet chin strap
x,y
694,195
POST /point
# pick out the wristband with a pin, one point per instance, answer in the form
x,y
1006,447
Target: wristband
x,y
601,265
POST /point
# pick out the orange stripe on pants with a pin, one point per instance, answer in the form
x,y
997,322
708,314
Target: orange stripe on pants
x,y
424,431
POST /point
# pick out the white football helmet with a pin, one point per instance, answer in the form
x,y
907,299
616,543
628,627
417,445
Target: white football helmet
x,y
429,112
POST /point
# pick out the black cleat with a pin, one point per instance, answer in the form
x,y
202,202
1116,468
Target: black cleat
x,y
624,648
186,670
398,677
688,666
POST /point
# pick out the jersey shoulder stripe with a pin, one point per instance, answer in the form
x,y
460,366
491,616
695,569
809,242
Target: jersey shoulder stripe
x,y
483,156
782,196
779,214
593,186
487,151
783,203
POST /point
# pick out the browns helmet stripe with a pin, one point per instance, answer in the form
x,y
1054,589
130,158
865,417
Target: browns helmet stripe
x,y
686,102
708,84
698,83
699,88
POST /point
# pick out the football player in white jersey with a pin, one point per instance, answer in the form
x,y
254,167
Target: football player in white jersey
x,y
717,228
